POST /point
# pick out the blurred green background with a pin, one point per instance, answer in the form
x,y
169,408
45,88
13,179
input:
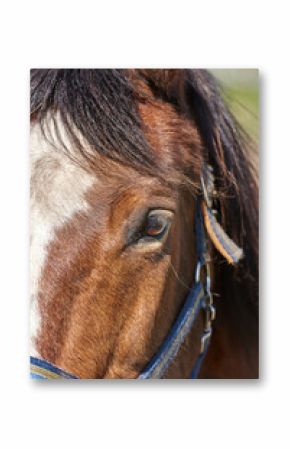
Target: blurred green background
x,y
241,93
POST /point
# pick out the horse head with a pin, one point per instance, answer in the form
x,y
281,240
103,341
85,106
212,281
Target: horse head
x,y
116,164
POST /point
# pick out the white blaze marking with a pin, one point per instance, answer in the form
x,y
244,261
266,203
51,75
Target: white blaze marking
x,y
57,192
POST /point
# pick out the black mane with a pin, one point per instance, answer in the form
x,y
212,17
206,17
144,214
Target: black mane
x,y
99,105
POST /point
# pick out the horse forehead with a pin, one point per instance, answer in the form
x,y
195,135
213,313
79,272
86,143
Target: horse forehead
x,y
58,189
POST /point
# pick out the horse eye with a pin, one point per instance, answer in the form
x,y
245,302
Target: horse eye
x,y
155,226
153,231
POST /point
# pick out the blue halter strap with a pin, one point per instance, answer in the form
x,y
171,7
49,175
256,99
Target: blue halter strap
x,y
41,369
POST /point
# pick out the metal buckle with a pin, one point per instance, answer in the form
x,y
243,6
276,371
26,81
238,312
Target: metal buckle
x,y
205,195
212,312
203,266
205,340
209,316
207,185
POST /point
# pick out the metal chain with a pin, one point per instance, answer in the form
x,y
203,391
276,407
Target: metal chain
x,y
208,306
208,193
209,310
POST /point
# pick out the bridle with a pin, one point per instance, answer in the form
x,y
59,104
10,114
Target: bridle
x,y
199,298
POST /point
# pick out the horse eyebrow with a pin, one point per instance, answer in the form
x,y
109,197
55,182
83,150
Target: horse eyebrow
x,y
155,192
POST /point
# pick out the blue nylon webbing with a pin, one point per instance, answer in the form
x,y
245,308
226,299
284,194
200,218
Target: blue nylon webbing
x,y
41,369
180,329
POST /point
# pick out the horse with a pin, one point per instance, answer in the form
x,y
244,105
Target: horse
x,y
144,227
